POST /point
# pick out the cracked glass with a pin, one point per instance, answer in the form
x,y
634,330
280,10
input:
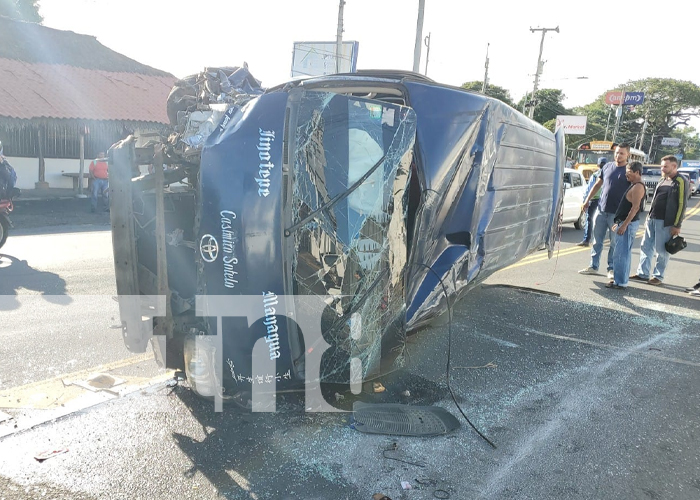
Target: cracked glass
x,y
351,167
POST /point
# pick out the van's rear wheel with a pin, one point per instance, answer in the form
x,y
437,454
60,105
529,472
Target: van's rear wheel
x,y
581,220
4,230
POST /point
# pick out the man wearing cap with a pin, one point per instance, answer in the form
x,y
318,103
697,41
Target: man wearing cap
x,y
592,206
614,183
664,221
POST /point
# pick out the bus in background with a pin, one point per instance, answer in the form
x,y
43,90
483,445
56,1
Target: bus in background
x,y
588,154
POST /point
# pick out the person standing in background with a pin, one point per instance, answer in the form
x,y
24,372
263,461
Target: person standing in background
x,y
592,206
99,173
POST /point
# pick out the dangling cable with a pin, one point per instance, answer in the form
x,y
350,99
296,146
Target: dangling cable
x,y
556,261
449,354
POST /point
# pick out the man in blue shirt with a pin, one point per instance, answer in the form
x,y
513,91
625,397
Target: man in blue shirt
x,y
614,183
592,206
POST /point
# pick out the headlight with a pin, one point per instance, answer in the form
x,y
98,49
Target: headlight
x,y
199,354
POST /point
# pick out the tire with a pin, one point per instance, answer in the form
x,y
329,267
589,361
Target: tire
x,y
581,221
4,230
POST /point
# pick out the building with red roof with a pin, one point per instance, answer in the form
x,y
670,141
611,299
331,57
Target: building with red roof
x,y
56,86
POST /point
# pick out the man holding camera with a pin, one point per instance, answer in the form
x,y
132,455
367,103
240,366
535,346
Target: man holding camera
x,y
664,221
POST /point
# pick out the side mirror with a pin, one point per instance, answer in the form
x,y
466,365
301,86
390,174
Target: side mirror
x,y
567,185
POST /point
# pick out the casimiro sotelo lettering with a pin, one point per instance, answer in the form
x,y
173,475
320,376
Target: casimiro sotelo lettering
x,y
264,145
228,238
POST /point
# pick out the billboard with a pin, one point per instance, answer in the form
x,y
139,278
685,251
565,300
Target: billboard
x,y
631,98
634,98
319,58
571,124
671,141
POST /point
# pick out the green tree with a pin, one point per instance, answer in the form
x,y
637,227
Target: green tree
x,y
548,104
491,90
668,106
24,10
550,124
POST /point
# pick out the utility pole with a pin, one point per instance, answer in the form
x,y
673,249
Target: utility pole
x,y
644,128
419,36
339,37
607,125
618,114
618,118
539,64
650,158
427,53
486,72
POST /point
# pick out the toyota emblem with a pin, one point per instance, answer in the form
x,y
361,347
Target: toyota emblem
x,y
208,248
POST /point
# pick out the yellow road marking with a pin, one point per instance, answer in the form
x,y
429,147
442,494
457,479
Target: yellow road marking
x,y
538,257
58,391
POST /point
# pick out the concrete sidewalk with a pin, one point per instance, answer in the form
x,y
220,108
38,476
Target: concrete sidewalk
x,y
49,194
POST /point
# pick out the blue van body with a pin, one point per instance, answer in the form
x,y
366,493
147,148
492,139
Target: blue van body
x,y
384,196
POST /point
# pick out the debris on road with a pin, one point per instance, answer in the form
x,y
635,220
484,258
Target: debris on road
x,y
46,454
378,387
402,420
490,364
99,382
394,447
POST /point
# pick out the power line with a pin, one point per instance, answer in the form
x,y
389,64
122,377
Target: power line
x,y
539,61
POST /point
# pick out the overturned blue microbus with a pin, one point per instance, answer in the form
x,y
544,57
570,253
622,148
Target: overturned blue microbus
x,y
366,202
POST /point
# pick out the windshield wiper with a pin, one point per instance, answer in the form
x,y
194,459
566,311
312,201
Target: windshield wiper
x,y
334,201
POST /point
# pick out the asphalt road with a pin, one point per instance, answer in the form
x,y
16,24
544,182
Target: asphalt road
x,y
586,392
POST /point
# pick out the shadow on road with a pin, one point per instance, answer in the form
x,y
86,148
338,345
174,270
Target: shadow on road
x,y
17,274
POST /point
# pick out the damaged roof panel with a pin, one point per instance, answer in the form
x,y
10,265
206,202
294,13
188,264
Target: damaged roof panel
x,y
39,90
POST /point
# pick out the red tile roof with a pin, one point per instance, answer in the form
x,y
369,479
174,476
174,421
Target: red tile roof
x,y
40,90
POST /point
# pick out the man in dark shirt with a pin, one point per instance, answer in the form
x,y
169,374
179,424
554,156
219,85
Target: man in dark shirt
x,y
626,224
614,183
664,221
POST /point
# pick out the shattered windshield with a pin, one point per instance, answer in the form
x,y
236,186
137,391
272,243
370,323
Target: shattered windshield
x,y
352,161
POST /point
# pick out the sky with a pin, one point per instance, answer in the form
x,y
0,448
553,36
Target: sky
x,y
608,43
